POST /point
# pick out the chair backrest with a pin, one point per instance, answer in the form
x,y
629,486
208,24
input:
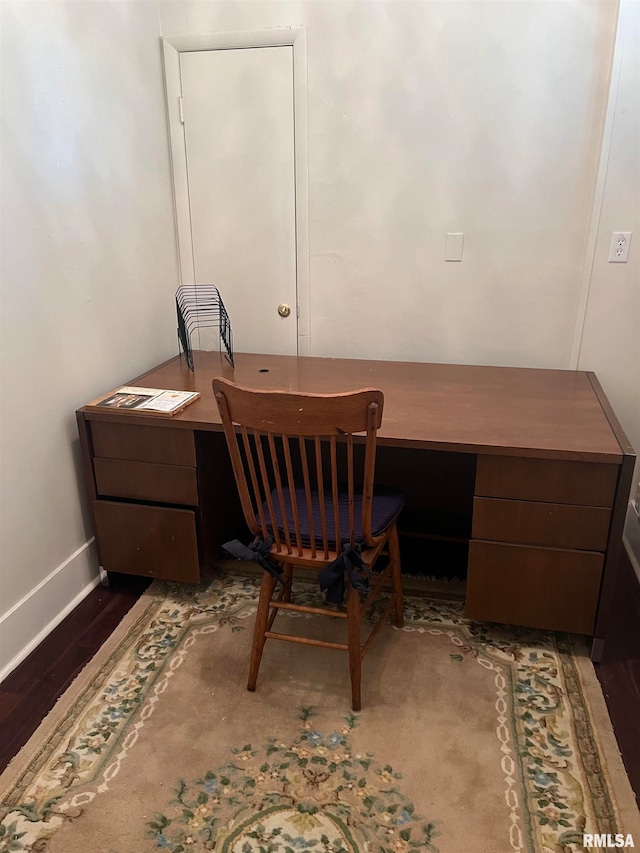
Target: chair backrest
x,y
293,458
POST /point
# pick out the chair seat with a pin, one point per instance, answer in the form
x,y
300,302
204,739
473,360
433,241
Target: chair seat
x,y
387,503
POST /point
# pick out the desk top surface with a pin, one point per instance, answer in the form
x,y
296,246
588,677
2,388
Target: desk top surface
x,y
465,408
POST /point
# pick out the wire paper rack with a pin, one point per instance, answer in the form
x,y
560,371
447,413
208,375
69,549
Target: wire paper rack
x,y
200,306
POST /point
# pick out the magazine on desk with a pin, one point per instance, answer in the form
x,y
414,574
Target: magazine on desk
x,y
147,401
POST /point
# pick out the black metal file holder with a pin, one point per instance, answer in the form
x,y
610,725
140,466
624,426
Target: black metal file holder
x,y
200,306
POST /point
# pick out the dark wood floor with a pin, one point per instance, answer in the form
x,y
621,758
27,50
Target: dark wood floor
x,y
31,690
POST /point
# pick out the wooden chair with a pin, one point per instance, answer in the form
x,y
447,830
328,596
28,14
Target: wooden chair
x,y
291,454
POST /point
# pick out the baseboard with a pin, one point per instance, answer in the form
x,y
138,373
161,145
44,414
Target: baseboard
x,y
29,621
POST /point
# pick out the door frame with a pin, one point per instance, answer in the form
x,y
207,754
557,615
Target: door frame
x,y
295,37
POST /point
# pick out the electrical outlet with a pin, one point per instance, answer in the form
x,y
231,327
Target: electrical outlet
x,y
619,250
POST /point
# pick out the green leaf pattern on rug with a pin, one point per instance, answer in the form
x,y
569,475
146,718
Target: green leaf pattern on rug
x,y
549,763
10,837
311,794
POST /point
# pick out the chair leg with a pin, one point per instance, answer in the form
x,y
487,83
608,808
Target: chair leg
x,y
262,617
285,592
288,577
396,575
355,649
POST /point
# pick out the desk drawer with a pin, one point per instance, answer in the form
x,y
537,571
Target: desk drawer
x,y
535,523
168,446
554,481
156,542
146,481
534,587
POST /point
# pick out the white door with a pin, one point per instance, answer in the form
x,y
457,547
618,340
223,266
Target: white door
x,y
240,160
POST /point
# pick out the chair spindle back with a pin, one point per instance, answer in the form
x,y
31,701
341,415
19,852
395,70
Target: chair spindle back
x,y
291,454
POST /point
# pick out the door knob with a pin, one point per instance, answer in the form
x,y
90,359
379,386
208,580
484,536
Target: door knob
x,y
284,310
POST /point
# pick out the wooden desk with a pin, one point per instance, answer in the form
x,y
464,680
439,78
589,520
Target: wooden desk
x,y
544,465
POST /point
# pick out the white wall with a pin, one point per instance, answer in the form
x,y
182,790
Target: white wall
x,y
88,272
428,117
609,339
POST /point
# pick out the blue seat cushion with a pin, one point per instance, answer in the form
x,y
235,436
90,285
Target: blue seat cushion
x,y
387,503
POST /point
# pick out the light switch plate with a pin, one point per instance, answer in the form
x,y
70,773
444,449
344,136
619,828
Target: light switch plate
x,y
453,247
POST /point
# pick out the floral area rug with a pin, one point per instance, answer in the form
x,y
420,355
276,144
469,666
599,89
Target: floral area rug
x,y
472,739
